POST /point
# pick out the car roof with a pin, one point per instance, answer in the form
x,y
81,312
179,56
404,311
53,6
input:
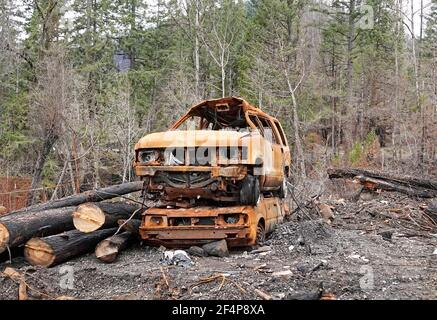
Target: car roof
x,y
233,102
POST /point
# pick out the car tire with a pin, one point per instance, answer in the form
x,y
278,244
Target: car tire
x,y
250,191
260,234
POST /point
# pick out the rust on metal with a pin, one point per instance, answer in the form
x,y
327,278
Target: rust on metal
x,y
220,152
198,225
211,150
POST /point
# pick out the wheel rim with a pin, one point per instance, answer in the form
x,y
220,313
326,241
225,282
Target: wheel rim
x,y
260,234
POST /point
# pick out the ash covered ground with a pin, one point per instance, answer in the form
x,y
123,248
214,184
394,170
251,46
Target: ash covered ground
x,y
380,246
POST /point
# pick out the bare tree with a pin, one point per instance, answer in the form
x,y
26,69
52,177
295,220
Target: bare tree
x,y
50,97
219,34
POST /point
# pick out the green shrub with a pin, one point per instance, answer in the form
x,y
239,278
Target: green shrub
x,y
356,153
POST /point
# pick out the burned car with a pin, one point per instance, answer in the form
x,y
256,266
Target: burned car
x,y
223,150
238,225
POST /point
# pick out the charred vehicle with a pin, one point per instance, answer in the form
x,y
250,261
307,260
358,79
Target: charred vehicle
x,y
223,150
238,225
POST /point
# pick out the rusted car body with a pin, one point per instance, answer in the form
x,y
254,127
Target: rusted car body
x,y
223,150
238,225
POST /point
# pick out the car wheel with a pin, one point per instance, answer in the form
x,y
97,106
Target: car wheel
x,y
260,234
250,191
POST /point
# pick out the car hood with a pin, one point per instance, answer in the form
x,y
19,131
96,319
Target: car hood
x,y
192,138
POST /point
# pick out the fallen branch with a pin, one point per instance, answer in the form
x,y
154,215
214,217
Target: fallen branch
x,y
411,186
20,279
263,295
165,278
223,279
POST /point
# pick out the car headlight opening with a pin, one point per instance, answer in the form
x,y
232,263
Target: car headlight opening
x,y
147,156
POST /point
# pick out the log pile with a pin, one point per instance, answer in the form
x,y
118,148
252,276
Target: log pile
x,y
371,180
51,233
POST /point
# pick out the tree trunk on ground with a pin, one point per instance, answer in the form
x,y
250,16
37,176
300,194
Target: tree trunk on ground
x,y
50,251
375,180
88,196
89,217
133,225
108,249
16,229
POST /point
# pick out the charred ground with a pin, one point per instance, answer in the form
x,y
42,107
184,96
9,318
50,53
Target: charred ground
x,y
378,246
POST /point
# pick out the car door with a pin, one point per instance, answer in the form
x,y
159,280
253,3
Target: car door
x,y
270,209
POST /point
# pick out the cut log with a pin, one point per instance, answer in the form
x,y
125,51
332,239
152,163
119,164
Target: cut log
x,y
133,225
108,249
412,186
89,217
50,251
16,229
88,196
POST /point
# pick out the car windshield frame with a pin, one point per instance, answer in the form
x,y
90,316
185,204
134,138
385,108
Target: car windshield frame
x,y
220,120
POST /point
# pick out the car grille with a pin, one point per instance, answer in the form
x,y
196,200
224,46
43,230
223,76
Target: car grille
x,y
184,179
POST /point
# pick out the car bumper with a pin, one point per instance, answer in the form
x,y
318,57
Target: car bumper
x,y
201,225
236,172
189,236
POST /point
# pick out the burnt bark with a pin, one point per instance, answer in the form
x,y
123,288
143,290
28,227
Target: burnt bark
x,y
56,249
16,229
423,188
133,225
87,196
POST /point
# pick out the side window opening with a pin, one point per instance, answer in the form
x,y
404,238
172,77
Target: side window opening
x,y
281,133
269,133
257,123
